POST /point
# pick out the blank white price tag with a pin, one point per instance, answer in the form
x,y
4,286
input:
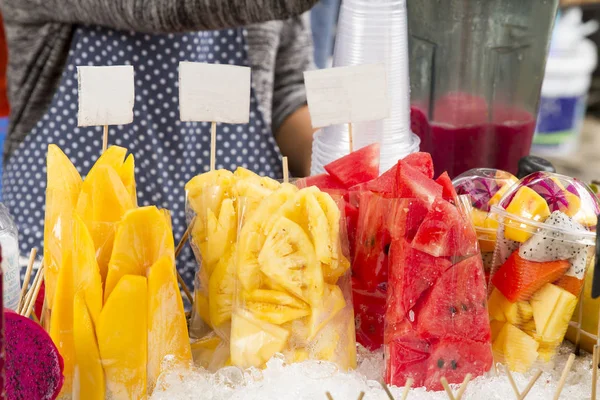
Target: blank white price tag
x,y
106,95
347,94
214,93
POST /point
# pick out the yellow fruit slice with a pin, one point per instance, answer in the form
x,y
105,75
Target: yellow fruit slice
x,y
61,321
250,196
201,304
167,327
275,307
339,264
332,303
252,237
221,286
62,191
86,273
143,237
529,205
254,342
288,258
518,349
122,333
89,374
127,174
207,191
214,236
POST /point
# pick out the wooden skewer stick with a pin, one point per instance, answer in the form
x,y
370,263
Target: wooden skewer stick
x,y
178,249
447,388
329,396
512,382
105,139
407,387
563,377
36,291
463,387
594,372
213,145
387,390
32,256
361,395
530,384
350,137
286,174
29,298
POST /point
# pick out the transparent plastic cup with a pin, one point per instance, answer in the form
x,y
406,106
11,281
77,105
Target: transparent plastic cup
x,y
545,242
484,188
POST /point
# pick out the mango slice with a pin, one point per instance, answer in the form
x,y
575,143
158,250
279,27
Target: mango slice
x,y
529,205
89,374
127,174
167,327
143,237
122,331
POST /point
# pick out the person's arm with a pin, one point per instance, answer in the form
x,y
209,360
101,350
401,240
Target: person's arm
x,y
291,120
154,15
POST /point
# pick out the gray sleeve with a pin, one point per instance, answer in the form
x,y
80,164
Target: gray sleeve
x,y
294,56
154,16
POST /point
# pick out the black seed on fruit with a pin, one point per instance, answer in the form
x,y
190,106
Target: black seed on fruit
x,y
386,249
464,307
440,363
453,310
453,364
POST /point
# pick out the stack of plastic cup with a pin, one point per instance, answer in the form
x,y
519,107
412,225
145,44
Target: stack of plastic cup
x,y
371,32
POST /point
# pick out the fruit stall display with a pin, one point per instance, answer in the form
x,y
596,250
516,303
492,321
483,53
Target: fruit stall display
x,y
545,243
273,274
484,187
111,286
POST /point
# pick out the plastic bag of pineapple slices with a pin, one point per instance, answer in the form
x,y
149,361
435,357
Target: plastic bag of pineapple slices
x,y
221,205
113,326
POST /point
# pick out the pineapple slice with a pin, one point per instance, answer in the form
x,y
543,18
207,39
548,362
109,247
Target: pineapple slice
x,y
207,191
252,237
518,349
62,190
143,237
167,327
275,307
89,374
254,342
339,264
332,303
214,236
553,308
288,258
251,196
122,333
266,182
221,286
201,304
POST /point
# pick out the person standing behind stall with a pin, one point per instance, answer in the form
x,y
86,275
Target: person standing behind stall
x,y
48,40
324,17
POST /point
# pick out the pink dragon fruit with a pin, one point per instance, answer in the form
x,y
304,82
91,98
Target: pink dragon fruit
x,y
34,367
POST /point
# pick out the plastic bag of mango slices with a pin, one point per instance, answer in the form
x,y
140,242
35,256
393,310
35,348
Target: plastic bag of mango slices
x,y
292,281
113,327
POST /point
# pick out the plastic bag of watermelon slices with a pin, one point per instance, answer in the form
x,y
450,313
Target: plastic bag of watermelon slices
x,y
544,245
292,281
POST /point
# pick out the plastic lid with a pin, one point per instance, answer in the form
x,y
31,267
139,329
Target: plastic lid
x,y
530,164
484,186
542,194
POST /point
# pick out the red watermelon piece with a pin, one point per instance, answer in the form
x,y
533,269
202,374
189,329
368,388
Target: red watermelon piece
x,y
406,217
357,167
407,356
454,359
422,162
412,183
386,183
369,311
370,262
445,232
411,273
322,181
449,193
457,306
351,225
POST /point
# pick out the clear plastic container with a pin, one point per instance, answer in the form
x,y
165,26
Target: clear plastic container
x,y
545,243
476,71
484,188
10,260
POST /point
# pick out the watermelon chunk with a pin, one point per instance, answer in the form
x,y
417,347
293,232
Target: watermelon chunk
x,y
357,167
449,193
323,181
351,213
422,162
406,217
407,356
456,306
386,183
369,311
412,272
518,279
454,359
445,232
412,183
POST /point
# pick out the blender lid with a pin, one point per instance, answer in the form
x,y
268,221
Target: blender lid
x,y
530,164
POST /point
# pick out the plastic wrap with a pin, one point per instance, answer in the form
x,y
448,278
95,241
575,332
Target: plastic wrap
x,y
545,244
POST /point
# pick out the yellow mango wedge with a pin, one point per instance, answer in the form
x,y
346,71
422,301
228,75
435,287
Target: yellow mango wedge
x,y
89,375
143,236
122,332
62,191
167,327
127,174
61,321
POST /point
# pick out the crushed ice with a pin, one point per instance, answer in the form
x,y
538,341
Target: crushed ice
x,y
312,379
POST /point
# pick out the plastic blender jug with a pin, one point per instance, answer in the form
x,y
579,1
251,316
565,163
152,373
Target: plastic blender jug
x,y
476,69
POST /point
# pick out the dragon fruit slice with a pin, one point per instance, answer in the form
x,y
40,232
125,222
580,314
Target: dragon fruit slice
x,y
34,367
504,247
552,245
480,190
552,193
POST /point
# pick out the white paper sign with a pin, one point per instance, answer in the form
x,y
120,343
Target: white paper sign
x,y
347,94
106,95
214,93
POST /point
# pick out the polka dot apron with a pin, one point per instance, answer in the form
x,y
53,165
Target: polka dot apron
x,y
168,152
